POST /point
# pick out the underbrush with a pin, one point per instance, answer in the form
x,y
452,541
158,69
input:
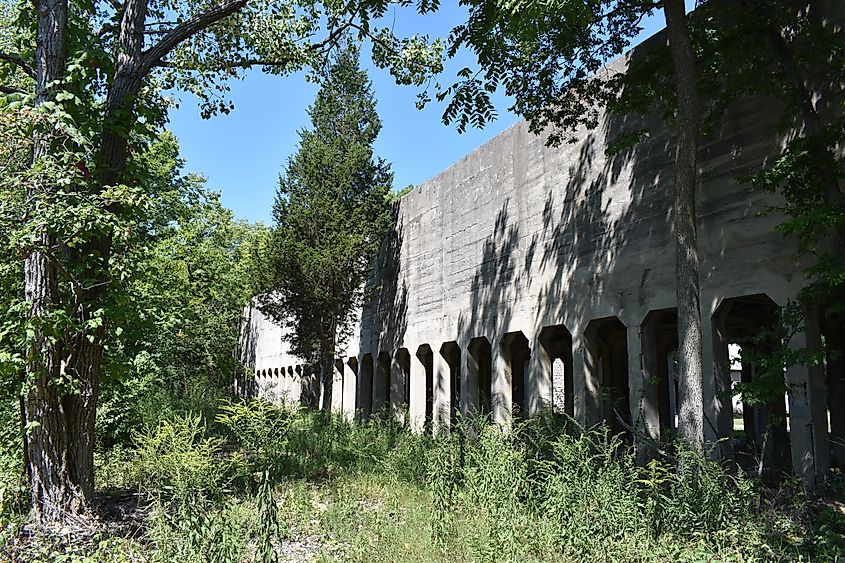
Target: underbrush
x,y
263,483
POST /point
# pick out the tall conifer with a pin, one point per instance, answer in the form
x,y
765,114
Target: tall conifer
x,y
331,213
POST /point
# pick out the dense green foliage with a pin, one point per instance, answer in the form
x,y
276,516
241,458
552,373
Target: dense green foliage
x,y
83,97
186,279
271,482
331,214
197,274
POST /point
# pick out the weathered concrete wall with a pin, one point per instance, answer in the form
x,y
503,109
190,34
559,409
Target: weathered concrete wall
x,y
571,249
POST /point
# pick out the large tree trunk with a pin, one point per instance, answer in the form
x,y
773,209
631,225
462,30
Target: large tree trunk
x,y
61,444
691,397
55,484
61,438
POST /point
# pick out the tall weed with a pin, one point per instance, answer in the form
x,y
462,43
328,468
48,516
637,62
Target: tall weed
x,y
178,461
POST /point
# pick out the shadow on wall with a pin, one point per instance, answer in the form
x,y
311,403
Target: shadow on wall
x,y
245,384
599,248
384,321
569,258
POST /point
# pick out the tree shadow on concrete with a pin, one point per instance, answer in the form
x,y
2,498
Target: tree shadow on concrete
x,y
384,319
245,384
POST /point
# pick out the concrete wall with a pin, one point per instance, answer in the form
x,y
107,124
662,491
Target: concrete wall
x,y
517,237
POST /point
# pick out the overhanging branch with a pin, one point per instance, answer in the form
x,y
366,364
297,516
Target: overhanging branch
x,y
253,62
18,61
183,31
10,90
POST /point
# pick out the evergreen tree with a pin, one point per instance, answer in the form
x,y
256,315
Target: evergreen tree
x,y
331,213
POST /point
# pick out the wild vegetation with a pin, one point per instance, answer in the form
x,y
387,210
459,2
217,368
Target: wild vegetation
x,y
263,483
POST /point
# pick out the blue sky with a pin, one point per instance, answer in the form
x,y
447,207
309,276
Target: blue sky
x,y
243,153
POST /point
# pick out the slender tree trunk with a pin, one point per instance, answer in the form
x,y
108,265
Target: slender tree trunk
x,y
327,357
690,371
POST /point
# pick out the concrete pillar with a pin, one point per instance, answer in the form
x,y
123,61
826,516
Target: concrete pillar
x,y
642,388
281,382
835,338
337,386
500,391
582,406
381,382
442,393
350,387
469,384
808,409
397,387
713,403
416,407
296,394
364,392
717,391
587,379
539,384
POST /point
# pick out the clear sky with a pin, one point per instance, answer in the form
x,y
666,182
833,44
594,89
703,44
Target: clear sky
x,y
243,153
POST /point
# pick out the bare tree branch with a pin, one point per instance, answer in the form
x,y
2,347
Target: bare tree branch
x,y
244,63
252,62
18,61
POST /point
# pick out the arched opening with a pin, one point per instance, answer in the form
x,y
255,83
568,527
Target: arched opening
x,y
451,353
381,385
607,350
517,353
426,358
365,385
758,422
479,376
556,360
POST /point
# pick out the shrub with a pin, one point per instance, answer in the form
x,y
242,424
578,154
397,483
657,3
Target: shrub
x,y
178,461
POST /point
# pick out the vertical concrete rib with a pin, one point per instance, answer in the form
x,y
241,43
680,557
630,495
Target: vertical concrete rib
x,y
835,338
713,402
396,393
442,393
416,408
539,388
645,413
717,394
500,391
580,406
350,387
469,384
808,410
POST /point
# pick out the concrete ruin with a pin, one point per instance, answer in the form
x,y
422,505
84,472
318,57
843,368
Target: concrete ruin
x,y
524,277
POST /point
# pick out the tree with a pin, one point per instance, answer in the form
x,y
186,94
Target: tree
x,y
83,91
548,57
331,214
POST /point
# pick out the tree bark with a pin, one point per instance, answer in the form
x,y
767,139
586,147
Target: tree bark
x,y
690,371
54,485
60,425
327,358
